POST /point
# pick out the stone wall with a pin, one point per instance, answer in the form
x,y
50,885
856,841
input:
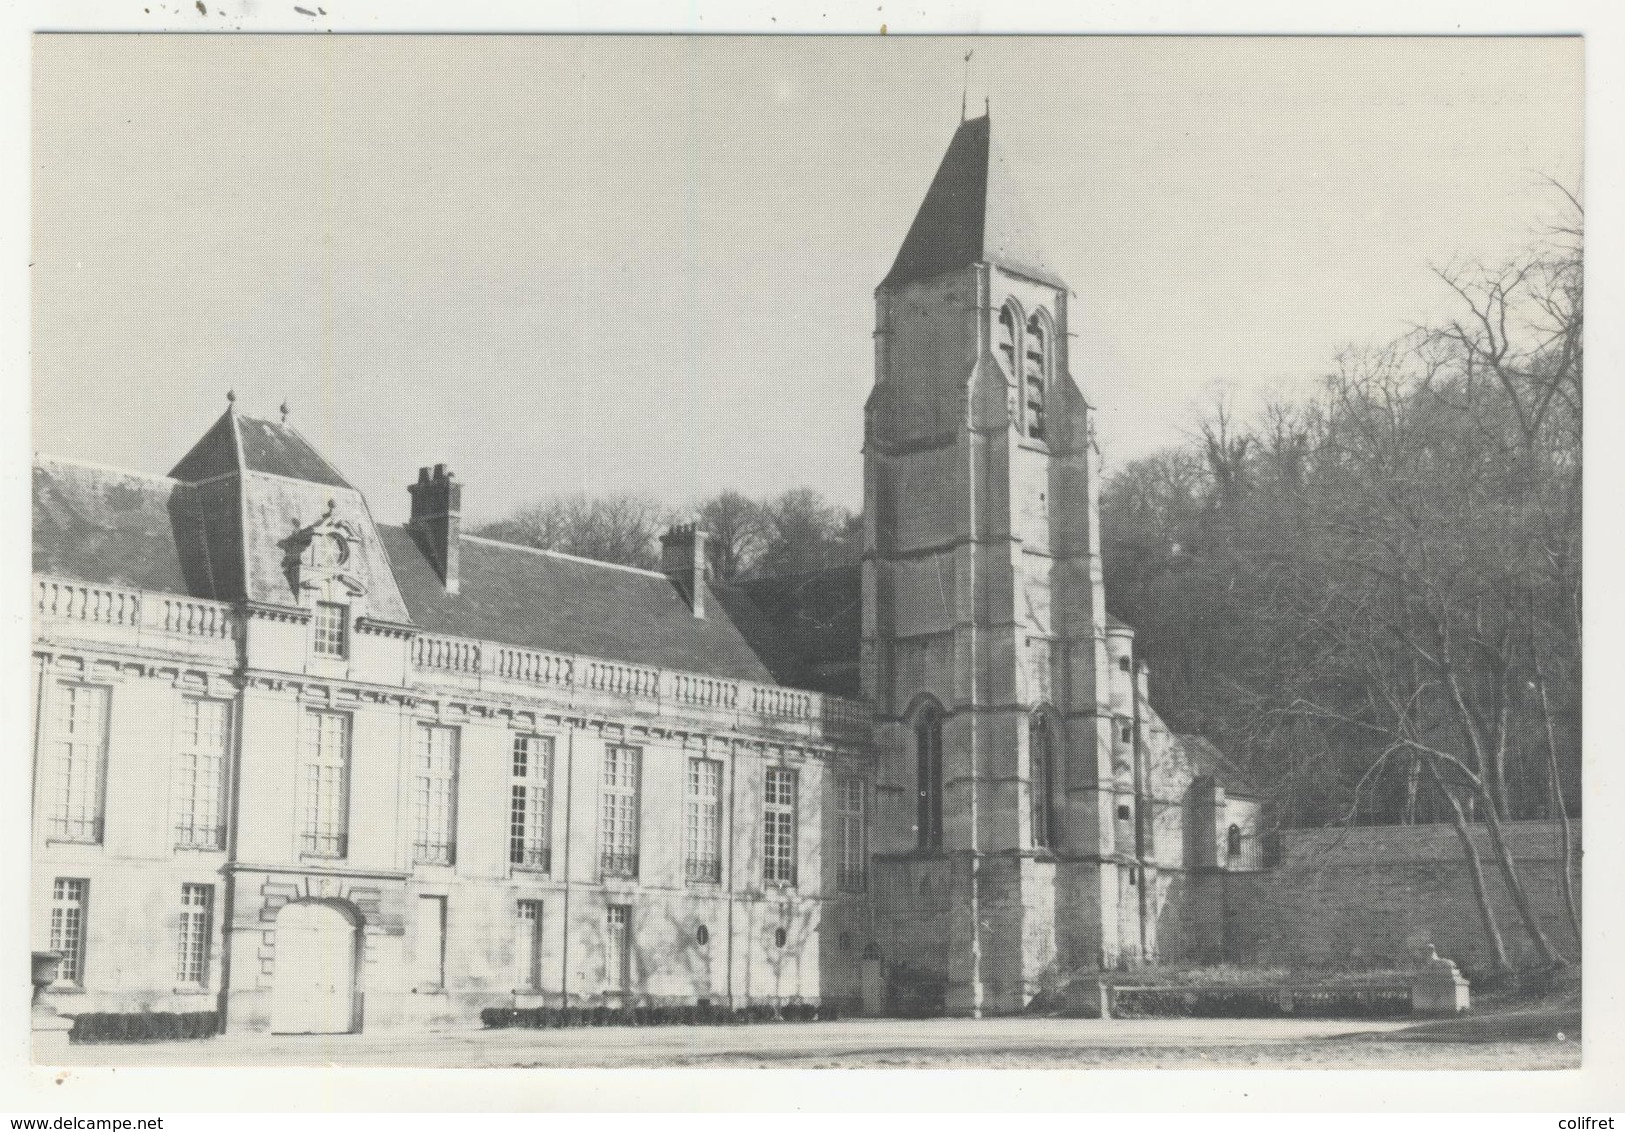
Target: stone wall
x,y
1356,896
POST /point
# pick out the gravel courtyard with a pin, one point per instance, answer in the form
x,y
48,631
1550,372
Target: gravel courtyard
x,y
1006,1043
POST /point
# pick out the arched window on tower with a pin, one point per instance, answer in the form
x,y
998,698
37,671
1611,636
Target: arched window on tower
x,y
1035,374
1007,339
928,768
1232,841
1041,753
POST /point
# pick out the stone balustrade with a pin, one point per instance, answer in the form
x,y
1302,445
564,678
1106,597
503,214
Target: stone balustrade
x,y
157,620
476,662
175,622
449,654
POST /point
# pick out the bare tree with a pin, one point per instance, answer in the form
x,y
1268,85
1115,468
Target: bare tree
x,y
618,528
739,533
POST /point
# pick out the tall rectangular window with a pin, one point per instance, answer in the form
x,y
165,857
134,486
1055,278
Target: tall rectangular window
x,y
528,945
779,827
197,914
618,949
851,863
435,839
201,774
68,929
703,849
431,943
331,625
79,762
529,802
327,784
619,847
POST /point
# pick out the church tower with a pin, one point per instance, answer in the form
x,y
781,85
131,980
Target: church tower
x,y
1006,828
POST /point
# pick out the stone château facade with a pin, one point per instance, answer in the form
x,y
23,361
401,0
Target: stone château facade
x,y
325,774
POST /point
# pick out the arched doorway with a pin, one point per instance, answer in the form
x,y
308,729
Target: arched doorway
x,y
314,988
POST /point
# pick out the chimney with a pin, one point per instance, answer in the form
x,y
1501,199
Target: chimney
x,y
684,561
437,505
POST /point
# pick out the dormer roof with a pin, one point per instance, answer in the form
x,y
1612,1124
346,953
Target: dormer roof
x,y
236,443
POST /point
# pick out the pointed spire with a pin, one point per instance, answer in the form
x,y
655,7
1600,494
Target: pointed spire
x,y
970,214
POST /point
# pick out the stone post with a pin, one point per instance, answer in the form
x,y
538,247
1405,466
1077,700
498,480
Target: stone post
x,y
1438,988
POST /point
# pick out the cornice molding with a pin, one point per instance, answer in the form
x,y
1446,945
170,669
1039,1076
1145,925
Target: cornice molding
x,y
378,627
267,611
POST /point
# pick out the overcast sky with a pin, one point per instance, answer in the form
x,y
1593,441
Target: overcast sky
x,y
647,265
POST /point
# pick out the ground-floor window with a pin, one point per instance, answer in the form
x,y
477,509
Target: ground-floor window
x,y
68,928
528,944
197,913
618,953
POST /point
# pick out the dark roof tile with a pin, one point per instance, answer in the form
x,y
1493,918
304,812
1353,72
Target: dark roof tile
x,y
970,214
552,602
809,627
109,527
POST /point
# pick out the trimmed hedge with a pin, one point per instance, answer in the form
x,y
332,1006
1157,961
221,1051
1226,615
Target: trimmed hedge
x,y
144,1027
700,1014
1221,1002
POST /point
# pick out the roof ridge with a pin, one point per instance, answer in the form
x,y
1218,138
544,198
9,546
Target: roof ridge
x,y
47,458
560,554
314,451
240,457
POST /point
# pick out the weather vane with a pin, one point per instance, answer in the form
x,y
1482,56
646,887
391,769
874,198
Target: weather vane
x,y
964,95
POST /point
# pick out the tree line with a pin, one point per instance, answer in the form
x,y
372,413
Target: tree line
x,y
791,533
1373,594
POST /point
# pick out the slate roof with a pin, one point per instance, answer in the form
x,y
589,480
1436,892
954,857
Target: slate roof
x,y
101,525
809,627
553,602
236,442
970,214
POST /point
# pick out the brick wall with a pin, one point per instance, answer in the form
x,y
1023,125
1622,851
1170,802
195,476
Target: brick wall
x,y
1356,896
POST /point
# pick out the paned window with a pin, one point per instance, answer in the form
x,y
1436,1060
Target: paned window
x,y
327,783
703,848
619,847
928,772
201,774
79,763
618,953
528,944
1041,750
197,916
529,799
435,839
332,627
851,859
779,827
68,929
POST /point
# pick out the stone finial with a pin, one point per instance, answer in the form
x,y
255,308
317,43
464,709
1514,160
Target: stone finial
x,y
1438,987
284,411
